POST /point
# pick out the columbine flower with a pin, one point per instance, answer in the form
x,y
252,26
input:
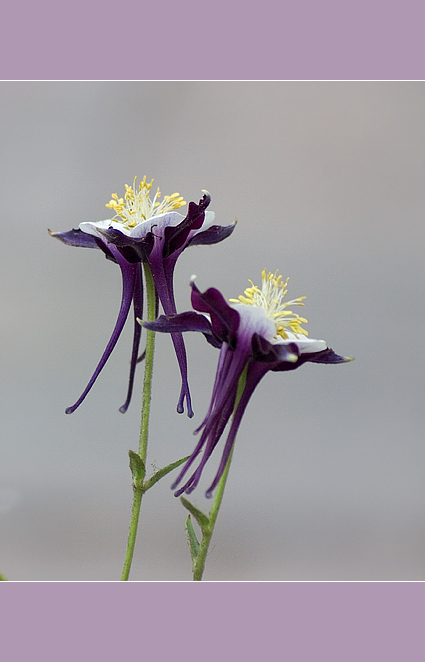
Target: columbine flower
x,y
257,332
146,230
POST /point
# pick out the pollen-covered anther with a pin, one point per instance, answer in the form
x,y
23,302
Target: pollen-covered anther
x,y
271,299
137,205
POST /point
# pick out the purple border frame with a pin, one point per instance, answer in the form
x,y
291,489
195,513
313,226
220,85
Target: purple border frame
x,y
307,40
298,622
191,40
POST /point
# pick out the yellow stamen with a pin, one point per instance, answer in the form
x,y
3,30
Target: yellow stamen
x,y
137,206
270,299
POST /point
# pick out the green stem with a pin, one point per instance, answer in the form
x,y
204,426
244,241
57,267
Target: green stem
x,y
150,347
208,530
138,486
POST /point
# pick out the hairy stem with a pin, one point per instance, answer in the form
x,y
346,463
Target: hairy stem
x,y
138,475
207,532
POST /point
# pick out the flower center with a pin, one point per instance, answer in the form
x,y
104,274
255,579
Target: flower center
x,y
137,206
270,299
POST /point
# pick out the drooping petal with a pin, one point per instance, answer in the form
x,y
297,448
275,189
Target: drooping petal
x,y
210,422
128,272
224,362
210,437
164,287
149,247
231,365
162,260
180,350
138,312
255,373
216,420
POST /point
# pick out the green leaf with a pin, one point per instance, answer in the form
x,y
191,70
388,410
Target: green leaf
x,y
192,540
163,472
137,466
2,578
202,519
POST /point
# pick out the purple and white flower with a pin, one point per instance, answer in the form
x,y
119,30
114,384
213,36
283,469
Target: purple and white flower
x,y
145,230
257,333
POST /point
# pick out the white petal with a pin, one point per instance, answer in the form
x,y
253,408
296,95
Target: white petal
x,y
255,320
162,221
91,228
304,344
208,221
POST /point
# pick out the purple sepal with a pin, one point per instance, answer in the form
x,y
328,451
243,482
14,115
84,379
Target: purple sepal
x,y
327,356
180,323
324,356
75,238
224,319
183,322
213,235
175,237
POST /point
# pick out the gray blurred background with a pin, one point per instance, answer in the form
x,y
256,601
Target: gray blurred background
x,y
327,182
